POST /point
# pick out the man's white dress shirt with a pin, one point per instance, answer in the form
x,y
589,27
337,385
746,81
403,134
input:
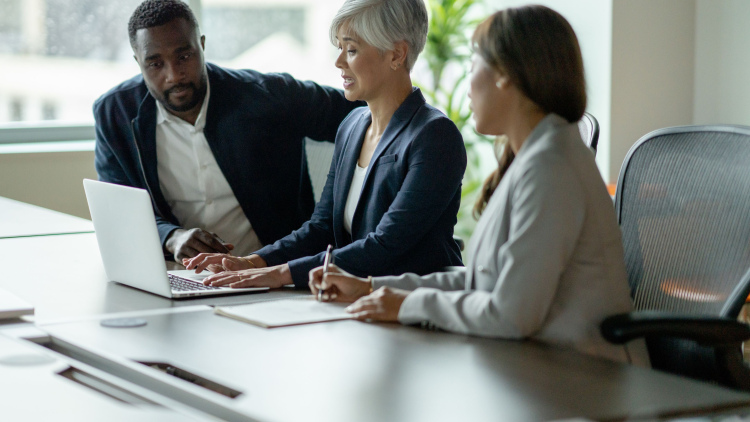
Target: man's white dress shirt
x,y
193,184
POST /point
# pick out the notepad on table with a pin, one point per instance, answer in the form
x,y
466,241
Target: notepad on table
x,y
285,312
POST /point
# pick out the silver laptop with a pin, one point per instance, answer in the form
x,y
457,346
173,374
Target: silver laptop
x,y
130,246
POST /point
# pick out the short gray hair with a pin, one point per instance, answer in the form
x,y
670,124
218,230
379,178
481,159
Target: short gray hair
x,y
382,23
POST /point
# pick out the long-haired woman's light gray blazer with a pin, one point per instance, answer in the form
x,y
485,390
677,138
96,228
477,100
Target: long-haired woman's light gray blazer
x,y
546,258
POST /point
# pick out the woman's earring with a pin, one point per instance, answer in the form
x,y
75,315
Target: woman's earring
x,y
499,84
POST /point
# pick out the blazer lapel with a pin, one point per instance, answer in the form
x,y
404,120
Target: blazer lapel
x,y
220,106
399,121
144,137
345,170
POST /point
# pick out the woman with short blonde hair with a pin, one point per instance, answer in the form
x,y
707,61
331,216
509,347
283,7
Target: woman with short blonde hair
x,y
394,187
546,258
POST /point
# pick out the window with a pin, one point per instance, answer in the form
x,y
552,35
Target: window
x,y
60,55
49,111
272,36
16,110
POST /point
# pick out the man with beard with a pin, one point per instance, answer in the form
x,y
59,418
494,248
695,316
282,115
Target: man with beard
x,y
220,151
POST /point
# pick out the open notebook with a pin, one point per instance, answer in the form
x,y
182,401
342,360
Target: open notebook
x,y
285,312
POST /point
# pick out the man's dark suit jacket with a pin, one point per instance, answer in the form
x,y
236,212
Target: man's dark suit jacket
x,y
255,128
404,219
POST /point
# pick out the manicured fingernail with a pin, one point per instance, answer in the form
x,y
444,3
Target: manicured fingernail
x,y
348,309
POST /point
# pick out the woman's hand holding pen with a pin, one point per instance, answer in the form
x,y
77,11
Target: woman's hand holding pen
x,y
338,285
383,304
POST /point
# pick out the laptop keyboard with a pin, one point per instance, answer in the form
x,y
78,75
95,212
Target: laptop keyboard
x,y
180,284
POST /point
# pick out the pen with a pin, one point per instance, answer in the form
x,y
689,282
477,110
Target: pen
x,y
328,260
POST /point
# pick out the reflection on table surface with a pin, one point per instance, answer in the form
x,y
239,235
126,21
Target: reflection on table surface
x,y
348,370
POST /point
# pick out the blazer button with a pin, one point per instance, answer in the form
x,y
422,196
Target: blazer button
x,y
481,269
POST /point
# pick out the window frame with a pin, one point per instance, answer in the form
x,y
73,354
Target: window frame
x,y
45,131
25,132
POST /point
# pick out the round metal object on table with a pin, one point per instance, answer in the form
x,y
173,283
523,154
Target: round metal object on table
x,y
123,322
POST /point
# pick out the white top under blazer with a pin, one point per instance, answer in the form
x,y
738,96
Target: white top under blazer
x,y
546,259
355,191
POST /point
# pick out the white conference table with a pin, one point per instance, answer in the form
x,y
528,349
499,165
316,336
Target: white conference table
x,y
37,385
338,371
18,219
63,277
354,371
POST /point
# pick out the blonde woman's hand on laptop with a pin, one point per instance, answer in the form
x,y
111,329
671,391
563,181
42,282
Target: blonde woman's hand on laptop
x,y
219,262
273,277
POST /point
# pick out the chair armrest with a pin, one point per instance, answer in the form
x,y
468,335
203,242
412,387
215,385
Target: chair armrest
x,y
705,330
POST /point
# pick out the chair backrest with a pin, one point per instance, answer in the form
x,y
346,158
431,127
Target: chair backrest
x,y
683,204
319,155
589,128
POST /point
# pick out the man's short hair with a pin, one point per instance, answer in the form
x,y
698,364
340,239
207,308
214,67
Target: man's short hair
x,y
152,13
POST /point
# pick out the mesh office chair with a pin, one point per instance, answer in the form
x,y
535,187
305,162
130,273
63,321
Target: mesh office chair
x,y
589,128
683,204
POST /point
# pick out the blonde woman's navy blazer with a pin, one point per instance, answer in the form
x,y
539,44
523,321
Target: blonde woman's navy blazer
x,y
407,209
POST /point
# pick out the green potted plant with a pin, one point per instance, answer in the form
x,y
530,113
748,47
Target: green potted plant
x,y
448,58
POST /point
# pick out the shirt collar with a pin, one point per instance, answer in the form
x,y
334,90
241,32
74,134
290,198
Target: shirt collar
x,y
550,122
162,115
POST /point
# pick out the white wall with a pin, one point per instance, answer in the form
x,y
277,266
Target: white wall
x,y
653,45
592,22
47,179
722,62
640,61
